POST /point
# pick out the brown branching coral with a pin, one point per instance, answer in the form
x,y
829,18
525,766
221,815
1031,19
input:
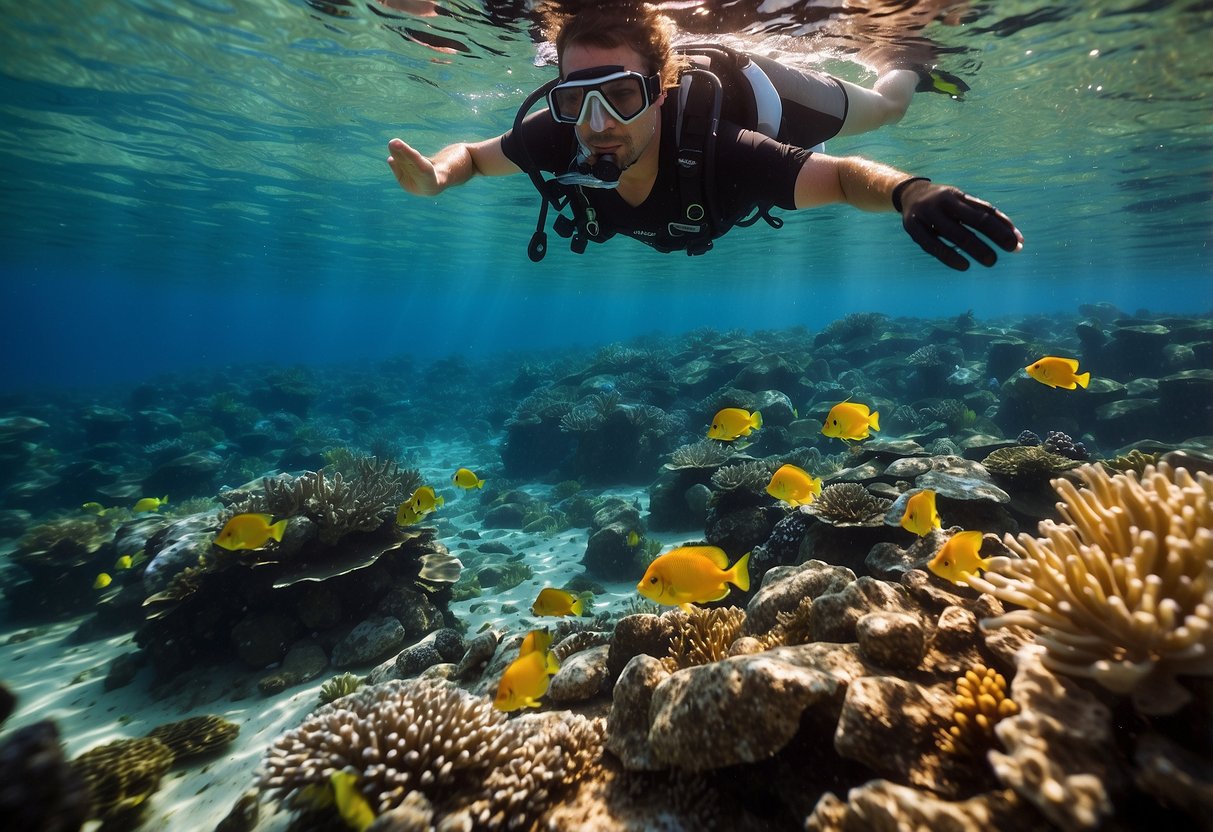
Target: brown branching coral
x,y
338,506
431,737
792,627
849,504
1028,462
981,701
1135,461
752,476
704,637
706,453
1122,592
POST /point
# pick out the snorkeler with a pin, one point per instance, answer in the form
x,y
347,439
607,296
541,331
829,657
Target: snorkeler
x,y
642,142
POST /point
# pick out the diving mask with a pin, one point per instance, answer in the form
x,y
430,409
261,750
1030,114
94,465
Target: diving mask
x,y
585,94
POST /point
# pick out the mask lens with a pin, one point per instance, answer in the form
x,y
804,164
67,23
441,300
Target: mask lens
x,y
567,101
624,95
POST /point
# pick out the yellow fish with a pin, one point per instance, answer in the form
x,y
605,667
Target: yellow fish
x,y
525,680
424,500
794,486
693,575
920,515
103,580
466,478
124,562
732,422
351,804
553,601
535,640
150,503
405,516
249,531
1058,372
959,558
94,508
633,539
850,421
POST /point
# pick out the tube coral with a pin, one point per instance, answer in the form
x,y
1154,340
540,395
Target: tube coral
x,y
1122,591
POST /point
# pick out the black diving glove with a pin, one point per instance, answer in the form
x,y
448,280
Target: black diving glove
x,y
936,215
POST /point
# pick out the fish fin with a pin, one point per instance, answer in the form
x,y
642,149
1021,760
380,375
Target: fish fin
x,y
577,607
715,554
755,420
440,501
724,593
688,607
277,529
1083,380
551,664
874,420
740,573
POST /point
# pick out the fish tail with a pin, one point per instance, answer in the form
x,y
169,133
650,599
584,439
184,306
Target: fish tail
x,y
874,420
755,420
480,483
1083,380
739,575
551,664
277,529
577,607
440,501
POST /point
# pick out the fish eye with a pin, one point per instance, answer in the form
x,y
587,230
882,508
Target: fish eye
x,y
652,580
947,563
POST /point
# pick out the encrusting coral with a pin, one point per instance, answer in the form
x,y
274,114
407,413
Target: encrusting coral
x,y
1028,462
704,637
428,736
1122,592
981,701
122,774
706,453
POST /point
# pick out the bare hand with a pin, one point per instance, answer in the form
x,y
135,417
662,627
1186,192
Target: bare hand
x,y
935,215
415,173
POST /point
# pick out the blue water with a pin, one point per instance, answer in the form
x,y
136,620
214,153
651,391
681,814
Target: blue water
x,y
203,183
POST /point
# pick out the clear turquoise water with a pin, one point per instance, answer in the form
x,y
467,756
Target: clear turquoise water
x,y
200,183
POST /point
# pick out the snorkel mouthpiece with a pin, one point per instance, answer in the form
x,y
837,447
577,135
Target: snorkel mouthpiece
x,y
604,173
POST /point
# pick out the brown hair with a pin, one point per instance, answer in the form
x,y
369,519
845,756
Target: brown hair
x,y
615,23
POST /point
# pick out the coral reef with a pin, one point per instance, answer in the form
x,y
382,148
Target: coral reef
x,y
704,636
341,685
1122,592
1028,462
195,736
981,701
121,775
427,736
848,504
706,453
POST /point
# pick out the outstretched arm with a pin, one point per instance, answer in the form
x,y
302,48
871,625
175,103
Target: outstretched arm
x,y
451,166
940,218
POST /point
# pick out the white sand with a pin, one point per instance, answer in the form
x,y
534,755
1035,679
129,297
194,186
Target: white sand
x,y
55,680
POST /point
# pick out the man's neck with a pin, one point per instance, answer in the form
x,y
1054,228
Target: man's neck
x,y
637,181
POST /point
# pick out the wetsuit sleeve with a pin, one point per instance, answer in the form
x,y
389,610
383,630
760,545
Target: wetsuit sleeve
x,y
549,144
753,170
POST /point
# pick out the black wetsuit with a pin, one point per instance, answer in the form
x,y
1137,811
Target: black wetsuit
x,y
752,172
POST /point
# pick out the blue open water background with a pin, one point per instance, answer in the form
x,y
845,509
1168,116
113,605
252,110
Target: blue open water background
x,y
196,184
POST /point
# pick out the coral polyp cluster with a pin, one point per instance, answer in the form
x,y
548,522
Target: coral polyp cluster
x,y
1122,592
981,701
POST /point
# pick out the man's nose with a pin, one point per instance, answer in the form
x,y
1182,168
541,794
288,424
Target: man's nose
x,y
599,117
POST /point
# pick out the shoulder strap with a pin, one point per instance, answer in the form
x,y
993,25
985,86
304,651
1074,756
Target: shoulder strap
x,y
699,100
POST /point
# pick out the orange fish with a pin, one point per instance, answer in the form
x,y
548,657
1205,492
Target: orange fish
x,y
525,680
693,575
249,531
1058,372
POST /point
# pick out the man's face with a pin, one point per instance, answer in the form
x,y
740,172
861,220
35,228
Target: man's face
x,y
626,142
